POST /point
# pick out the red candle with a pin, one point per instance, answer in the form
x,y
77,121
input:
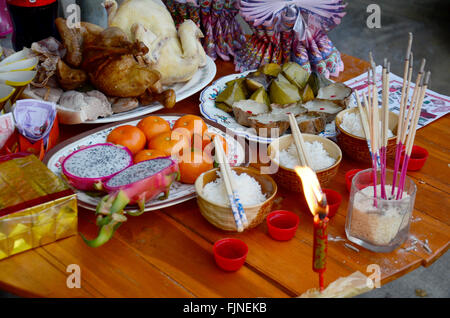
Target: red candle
x,y
317,203
320,247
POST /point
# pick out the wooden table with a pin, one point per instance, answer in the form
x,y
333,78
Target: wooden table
x,y
168,253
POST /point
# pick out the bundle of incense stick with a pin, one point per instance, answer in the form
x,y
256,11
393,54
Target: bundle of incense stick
x,y
418,102
230,186
375,121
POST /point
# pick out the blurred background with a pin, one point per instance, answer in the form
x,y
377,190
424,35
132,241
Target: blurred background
x,y
429,21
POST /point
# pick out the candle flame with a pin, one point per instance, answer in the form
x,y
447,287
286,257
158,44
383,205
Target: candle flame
x,y
311,189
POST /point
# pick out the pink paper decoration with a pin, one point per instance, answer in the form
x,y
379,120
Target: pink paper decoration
x,y
282,31
302,27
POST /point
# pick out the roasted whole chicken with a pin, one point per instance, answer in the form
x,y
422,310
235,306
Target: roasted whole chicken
x,y
112,63
98,72
176,55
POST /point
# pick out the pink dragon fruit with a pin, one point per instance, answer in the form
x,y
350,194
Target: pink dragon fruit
x,y
136,184
89,168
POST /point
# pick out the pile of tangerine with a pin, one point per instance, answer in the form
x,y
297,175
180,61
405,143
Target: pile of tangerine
x,y
153,138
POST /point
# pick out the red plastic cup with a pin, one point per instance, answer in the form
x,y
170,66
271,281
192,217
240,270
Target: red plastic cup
x,y
282,224
334,200
349,177
418,157
230,254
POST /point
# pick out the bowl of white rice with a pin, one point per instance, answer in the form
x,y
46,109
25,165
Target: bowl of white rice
x,y
351,138
256,191
325,157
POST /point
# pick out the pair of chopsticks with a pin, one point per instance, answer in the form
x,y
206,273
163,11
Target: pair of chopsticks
x,y
303,156
299,142
230,185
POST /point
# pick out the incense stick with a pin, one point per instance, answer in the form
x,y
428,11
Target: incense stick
x,y
376,127
413,99
386,114
374,150
399,145
405,78
404,122
410,71
369,123
421,99
369,88
382,134
385,122
363,115
412,134
376,113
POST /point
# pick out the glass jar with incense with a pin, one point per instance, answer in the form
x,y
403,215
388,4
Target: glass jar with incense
x,y
380,225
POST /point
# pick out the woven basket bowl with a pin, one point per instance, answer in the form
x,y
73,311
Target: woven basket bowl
x,y
220,215
288,178
356,147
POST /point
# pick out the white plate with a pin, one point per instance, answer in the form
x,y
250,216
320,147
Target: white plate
x,y
201,78
209,110
178,192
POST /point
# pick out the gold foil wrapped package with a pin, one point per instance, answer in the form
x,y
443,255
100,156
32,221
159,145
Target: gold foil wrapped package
x,y
36,206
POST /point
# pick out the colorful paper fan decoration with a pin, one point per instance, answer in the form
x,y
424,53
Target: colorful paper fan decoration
x,y
223,36
298,28
282,31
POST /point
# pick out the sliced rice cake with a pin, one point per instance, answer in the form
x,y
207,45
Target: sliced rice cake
x,y
244,109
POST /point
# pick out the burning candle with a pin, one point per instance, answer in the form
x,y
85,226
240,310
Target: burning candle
x,y
320,247
317,204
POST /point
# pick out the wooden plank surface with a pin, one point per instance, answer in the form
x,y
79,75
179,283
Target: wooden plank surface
x,y
168,253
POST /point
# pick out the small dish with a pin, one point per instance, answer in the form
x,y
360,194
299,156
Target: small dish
x,y
334,200
418,158
230,254
349,177
282,224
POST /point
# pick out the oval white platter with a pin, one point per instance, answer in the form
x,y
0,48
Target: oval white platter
x,y
209,110
201,78
179,192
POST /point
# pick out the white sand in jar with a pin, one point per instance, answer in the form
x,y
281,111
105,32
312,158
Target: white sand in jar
x,y
319,157
351,123
249,190
378,225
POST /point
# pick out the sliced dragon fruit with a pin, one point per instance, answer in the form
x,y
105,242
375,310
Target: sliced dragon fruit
x,y
88,168
138,183
145,180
